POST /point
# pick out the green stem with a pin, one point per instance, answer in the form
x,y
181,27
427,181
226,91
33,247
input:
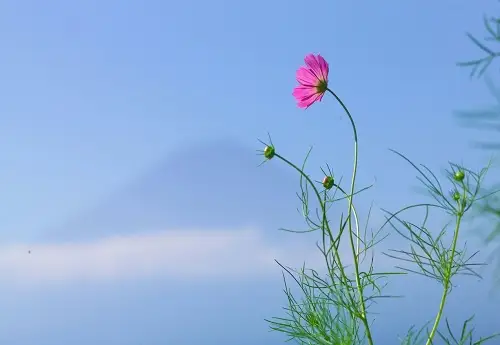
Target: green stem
x,y
447,280
326,225
355,253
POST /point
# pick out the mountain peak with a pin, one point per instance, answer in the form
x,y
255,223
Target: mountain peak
x,y
216,184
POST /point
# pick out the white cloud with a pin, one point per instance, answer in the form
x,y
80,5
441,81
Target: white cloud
x,y
180,255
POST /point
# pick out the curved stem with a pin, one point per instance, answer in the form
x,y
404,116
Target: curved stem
x,y
447,280
355,248
326,225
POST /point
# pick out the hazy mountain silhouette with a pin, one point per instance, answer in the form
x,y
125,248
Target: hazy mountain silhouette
x,y
216,185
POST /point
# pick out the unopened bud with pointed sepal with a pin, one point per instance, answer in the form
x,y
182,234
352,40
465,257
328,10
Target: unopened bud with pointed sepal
x,y
269,152
328,182
459,175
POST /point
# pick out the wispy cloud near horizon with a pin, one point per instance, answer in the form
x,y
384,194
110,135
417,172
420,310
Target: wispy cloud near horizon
x,y
178,254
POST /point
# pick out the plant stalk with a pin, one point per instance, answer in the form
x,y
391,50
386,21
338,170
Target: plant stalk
x,y
447,281
349,220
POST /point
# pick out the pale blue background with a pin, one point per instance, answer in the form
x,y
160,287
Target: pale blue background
x,y
110,109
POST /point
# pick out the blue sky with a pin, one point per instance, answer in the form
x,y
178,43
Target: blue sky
x,y
129,169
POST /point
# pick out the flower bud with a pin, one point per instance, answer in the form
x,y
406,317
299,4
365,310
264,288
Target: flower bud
x,y
459,176
269,152
456,196
328,182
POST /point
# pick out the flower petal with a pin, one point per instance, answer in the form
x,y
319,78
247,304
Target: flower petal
x,y
313,64
306,77
306,103
306,96
318,65
301,92
323,65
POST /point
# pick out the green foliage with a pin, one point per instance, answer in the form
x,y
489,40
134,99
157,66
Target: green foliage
x,y
480,65
487,119
334,305
466,335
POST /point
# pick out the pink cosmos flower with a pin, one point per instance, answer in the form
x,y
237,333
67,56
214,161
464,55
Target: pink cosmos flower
x,y
313,80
